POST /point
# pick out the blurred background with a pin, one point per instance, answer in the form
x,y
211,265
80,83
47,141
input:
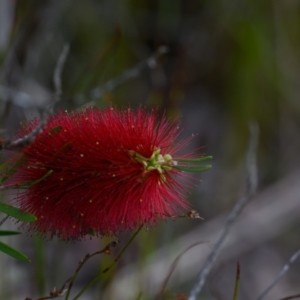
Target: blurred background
x,y
229,63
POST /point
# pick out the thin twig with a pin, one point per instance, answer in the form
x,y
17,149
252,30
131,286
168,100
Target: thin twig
x,y
28,139
54,293
3,220
58,71
250,189
25,184
134,72
280,275
192,214
123,250
63,290
172,268
8,187
83,261
109,267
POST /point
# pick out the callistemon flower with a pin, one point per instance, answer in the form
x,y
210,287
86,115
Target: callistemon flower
x,y
101,171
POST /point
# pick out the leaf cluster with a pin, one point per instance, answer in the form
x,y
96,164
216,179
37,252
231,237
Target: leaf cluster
x,y
16,213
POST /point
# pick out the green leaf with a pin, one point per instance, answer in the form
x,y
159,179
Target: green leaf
x,y
28,184
196,160
13,252
193,168
17,213
237,282
8,232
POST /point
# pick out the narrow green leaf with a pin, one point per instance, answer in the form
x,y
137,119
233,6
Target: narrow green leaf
x,y
237,282
8,232
196,160
28,184
193,168
17,213
13,252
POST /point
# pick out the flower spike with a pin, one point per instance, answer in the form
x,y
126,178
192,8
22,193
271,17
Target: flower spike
x,y
101,172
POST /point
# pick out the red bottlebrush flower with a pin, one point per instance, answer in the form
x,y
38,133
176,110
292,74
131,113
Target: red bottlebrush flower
x,y
104,171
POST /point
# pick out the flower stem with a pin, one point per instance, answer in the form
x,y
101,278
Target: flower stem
x,y
110,266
